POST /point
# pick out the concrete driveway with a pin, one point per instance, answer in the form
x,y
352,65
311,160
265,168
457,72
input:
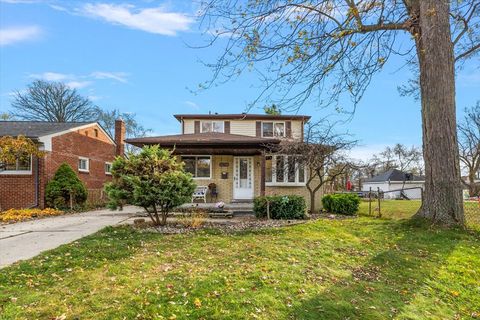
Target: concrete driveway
x,y
24,240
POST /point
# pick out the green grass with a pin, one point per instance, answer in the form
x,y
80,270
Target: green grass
x,y
405,209
361,268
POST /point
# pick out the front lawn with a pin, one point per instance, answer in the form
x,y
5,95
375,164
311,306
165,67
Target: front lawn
x,y
326,269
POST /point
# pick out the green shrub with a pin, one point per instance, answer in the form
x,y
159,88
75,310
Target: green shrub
x,y
65,183
343,203
281,207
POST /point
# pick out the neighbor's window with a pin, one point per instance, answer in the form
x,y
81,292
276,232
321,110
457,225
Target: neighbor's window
x,y
83,164
273,129
213,126
108,168
198,166
284,170
21,165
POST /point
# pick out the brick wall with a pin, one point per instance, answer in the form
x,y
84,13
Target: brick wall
x,y
225,186
18,191
82,143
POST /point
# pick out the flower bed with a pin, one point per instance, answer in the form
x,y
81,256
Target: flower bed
x,y
15,215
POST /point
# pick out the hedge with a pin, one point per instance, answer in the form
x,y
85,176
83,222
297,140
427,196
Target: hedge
x,y
281,207
343,203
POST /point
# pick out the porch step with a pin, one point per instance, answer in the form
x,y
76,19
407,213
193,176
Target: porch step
x,y
242,201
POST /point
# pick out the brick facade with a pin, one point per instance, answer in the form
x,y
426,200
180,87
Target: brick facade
x,y
18,191
225,186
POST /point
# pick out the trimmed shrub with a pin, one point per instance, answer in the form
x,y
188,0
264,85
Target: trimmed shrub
x,y
65,183
281,207
343,203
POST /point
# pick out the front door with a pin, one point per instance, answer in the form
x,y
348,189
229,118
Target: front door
x,y
243,178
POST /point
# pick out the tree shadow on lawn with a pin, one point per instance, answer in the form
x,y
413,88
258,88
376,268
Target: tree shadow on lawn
x,y
389,282
107,246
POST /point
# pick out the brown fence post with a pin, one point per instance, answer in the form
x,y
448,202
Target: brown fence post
x,y
379,209
370,202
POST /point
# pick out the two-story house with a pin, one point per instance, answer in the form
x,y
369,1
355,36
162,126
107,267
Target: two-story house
x,y
233,152
85,146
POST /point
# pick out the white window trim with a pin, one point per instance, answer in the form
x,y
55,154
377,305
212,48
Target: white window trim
x,y
197,156
273,123
285,182
108,172
19,172
212,121
88,164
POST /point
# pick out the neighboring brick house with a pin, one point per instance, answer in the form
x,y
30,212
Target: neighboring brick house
x,y
86,147
231,151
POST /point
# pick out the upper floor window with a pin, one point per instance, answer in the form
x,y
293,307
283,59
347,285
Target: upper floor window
x,y
273,129
213,126
83,164
23,165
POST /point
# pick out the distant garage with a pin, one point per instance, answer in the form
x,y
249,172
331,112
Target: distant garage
x,y
396,184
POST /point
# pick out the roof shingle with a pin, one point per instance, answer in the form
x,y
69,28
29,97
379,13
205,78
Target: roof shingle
x,y
35,129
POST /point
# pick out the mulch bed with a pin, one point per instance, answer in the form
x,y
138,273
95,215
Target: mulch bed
x,y
238,223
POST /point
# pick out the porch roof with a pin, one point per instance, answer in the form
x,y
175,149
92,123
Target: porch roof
x,y
214,143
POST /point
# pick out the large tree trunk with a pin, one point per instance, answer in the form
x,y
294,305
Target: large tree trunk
x,y
443,201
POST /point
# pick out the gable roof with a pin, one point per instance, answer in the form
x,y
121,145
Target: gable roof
x,y
206,138
393,175
36,129
240,116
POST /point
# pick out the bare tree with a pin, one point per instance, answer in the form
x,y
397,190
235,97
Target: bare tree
x,y
322,153
469,145
52,101
402,158
324,49
133,128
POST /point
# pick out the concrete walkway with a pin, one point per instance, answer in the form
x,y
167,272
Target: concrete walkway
x,y
24,240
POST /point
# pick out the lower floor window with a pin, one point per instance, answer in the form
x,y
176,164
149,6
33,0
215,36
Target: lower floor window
x,y
198,166
282,169
108,168
23,163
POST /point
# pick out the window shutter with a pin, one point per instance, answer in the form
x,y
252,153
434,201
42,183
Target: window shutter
x,y
227,127
258,127
197,127
288,129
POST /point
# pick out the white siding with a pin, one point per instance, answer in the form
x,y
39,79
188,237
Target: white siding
x,y
412,194
297,129
189,126
244,127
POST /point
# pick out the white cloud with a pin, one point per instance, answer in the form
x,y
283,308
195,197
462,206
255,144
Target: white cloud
x,y
192,105
119,76
51,76
153,20
78,84
12,35
80,81
366,152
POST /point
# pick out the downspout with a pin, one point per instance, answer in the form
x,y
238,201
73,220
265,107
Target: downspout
x,y
36,184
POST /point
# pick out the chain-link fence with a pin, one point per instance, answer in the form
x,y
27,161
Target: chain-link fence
x,y
394,204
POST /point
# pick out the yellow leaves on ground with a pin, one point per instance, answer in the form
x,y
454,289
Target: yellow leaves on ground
x,y
14,215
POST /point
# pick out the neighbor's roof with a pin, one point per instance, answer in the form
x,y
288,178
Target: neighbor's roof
x,y
35,129
241,116
204,139
393,175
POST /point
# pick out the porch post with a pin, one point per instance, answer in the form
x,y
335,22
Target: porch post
x,y
262,173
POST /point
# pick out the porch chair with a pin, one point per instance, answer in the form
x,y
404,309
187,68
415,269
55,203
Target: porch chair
x,y
200,193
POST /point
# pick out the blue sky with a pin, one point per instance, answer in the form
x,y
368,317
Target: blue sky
x,y
133,55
